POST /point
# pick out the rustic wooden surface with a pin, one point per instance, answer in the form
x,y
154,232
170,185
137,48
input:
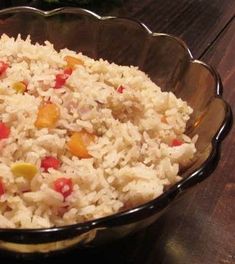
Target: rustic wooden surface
x,y
200,227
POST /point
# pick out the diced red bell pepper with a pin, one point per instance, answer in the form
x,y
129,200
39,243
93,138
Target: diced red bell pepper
x,y
4,131
63,186
50,162
120,89
61,78
3,67
176,142
68,71
2,188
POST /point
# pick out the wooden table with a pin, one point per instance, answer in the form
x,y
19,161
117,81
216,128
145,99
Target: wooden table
x,y
200,227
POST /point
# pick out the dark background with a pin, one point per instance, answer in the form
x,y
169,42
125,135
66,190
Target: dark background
x,y
200,227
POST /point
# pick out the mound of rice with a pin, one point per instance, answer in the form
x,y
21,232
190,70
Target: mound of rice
x,y
139,144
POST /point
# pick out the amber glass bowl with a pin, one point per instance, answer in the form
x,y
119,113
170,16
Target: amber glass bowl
x,y
169,63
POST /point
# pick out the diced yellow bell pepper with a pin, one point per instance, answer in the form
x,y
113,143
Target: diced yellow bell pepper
x,y
48,116
20,87
23,169
79,142
72,61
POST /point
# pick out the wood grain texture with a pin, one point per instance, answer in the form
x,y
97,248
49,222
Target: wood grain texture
x,y
200,226
197,22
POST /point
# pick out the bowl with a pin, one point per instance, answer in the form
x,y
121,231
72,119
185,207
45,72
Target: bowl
x,y
169,63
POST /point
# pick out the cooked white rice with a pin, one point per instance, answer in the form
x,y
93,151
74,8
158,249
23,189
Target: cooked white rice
x,y
131,161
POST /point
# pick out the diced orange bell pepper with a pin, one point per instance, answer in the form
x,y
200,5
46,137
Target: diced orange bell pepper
x,y
48,115
79,142
72,61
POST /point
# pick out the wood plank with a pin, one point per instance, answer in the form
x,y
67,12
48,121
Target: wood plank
x,y
197,22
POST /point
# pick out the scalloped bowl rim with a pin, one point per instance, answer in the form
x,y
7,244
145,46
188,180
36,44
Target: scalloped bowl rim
x,y
125,217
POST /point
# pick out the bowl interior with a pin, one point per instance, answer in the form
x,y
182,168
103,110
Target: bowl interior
x,y
164,58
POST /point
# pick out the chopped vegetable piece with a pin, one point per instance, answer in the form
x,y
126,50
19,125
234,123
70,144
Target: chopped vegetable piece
x,y
120,89
50,162
20,87
4,131
3,67
48,115
176,142
68,71
61,78
63,186
78,144
2,188
72,61
23,169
